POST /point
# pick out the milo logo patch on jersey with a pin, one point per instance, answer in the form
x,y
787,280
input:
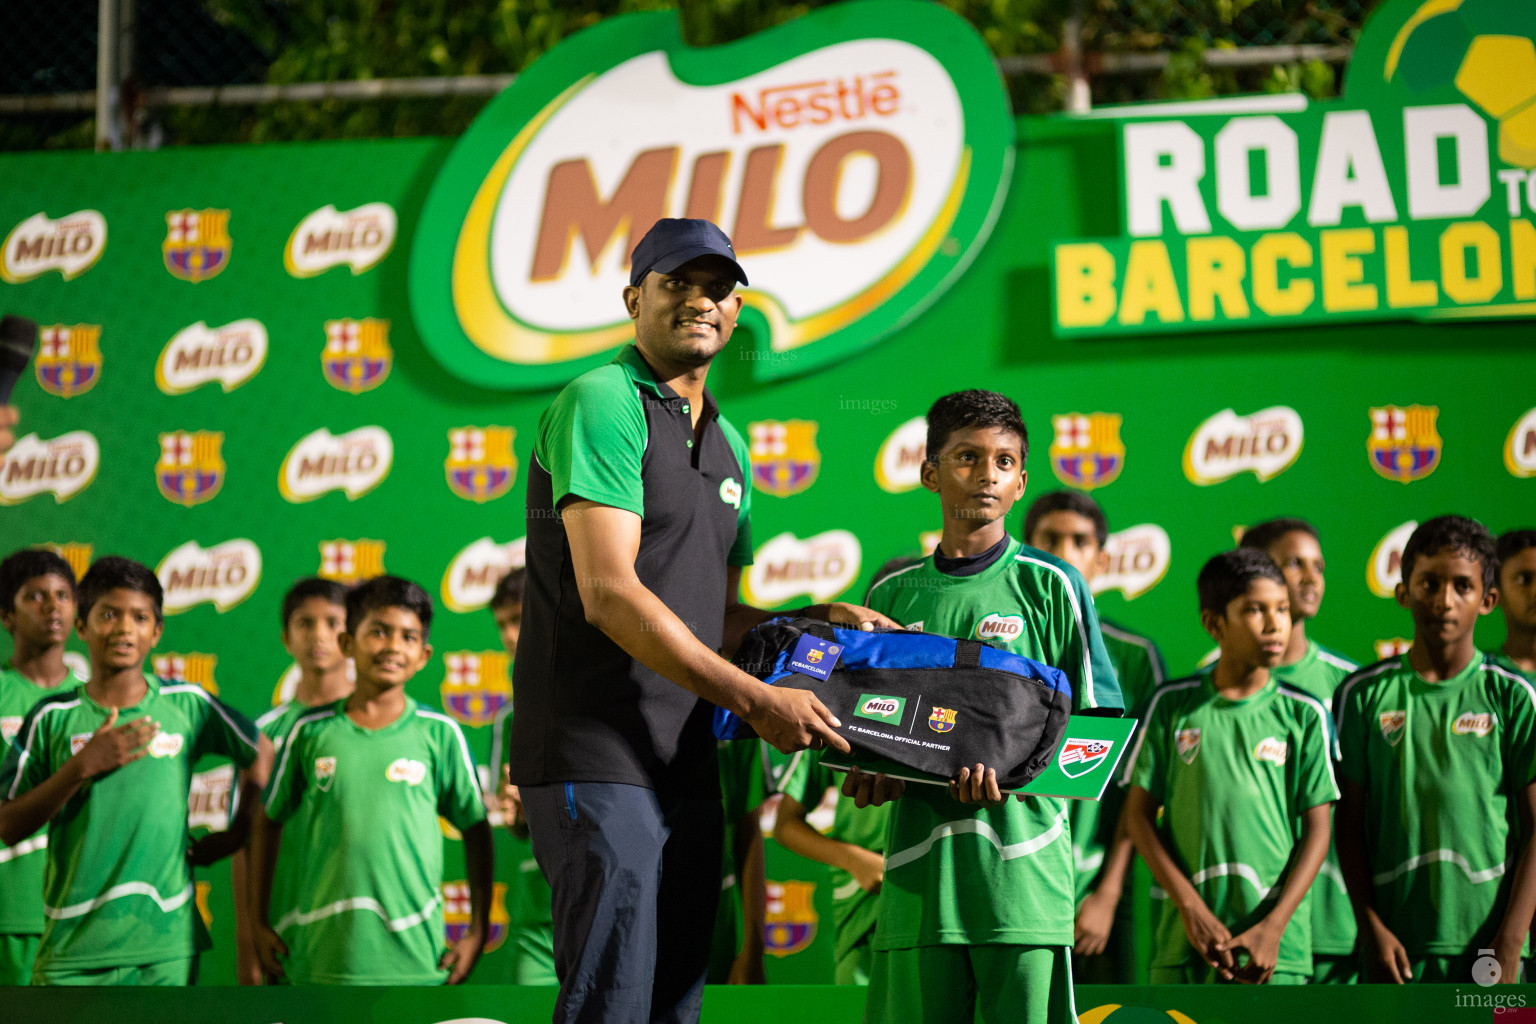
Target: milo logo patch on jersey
x,y
1473,724
166,744
325,773
881,708
1187,742
1393,724
10,725
1079,757
915,627
998,626
1272,750
403,769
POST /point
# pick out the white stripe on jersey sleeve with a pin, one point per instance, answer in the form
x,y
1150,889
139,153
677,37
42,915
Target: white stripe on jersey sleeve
x,y
469,762
217,705
271,716
498,742
1517,677
1146,722
299,723
1082,631
1324,721
1336,661
1342,697
891,576
26,745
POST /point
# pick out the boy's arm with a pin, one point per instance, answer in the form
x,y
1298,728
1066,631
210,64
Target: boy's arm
x,y
1096,916
266,837
1385,957
479,853
792,832
1262,941
109,748
747,969
1510,937
1206,934
215,846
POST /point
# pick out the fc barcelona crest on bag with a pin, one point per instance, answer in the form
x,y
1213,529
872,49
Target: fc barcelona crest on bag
x,y
942,719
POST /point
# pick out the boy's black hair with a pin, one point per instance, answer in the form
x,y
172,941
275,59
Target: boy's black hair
x,y
115,572
1066,501
965,410
1264,535
509,589
1463,535
312,586
26,564
388,592
1227,576
1511,543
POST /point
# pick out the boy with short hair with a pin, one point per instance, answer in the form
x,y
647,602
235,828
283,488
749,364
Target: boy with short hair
x,y
368,777
1072,526
1517,599
1296,549
37,606
976,908
1240,764
1438,758
118,890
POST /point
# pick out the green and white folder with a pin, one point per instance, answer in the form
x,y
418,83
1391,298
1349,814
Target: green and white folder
x,y
1091,749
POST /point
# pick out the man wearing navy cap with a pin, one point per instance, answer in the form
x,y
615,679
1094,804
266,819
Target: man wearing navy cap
x,y
638,526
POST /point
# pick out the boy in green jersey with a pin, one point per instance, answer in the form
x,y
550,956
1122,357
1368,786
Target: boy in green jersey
x,y
1438,757
118,889
37,606
1517,599
977,900
313,616
1240,764
1295,547
367,779
736,954
530,933
1072,526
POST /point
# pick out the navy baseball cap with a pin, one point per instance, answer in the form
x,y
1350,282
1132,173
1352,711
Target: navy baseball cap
x,y
673,241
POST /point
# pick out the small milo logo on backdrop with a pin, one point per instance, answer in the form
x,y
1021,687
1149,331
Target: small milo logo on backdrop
x,y
62,466
68,358
899,463
857,157
1384,568
197,243
199,354
70,245
1520,445
1138,560
327,238
223,575
1265,444
355,462
470,580
787,567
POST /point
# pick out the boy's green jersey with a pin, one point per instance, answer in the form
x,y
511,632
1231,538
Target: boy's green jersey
x,y
958,873
854,911
1234,778
275,725
21,866
368,902
1319,673
1504,661
1443,765
1139,669
528,895
117,890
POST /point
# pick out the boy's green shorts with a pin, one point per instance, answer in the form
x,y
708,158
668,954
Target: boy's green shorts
x,y
166,972
1002,984
16,955
1335,968
1204,974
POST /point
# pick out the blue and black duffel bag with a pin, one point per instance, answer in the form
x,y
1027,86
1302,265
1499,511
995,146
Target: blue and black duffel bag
x,y
930,703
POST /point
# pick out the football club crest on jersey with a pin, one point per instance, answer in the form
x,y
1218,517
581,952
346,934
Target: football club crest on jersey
x,y
325,773
998,626
1384,569
1404,444
1272,750
456,914
1079,757
357,356
1520,446
71,245
224,574
68,359
406,770
194,667
790,923
1187,743
941,719
62,466
1393,724
784,456
78,741
191,466
348,561
1473,724
476,685
1086,451
480,466
1265,443
197,243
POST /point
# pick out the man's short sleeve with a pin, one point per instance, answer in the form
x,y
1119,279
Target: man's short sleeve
x,y
1349,717
458,784
25,764
1085,661
223,731
806,781
591,441
286,786
741,549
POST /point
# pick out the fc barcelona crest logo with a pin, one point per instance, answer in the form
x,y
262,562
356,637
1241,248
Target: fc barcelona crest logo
x,y
790,925
197,243
1187,742
348,561
476,685
1404,444
197,668
1086,451
480,466
191,466
1079,757
357,355
785,459
1393,724
69,359
942,719
456,914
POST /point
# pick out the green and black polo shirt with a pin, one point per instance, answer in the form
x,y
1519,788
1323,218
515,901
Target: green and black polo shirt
x,y
584,710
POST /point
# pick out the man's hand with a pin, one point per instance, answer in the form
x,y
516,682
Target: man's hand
x,y
9,417
792,720
271,951
871,790
1209,937
868,868
977,786
841,613
459,959
112,746
510,803
1095,920
1262,943
1386,959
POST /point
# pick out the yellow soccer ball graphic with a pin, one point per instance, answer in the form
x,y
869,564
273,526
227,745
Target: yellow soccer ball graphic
x,y
1498,75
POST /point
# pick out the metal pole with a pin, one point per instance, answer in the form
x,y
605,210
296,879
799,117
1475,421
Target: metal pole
x,y
1079,96
108,135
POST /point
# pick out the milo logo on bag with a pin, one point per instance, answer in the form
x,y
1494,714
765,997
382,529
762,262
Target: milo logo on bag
x,y
882,709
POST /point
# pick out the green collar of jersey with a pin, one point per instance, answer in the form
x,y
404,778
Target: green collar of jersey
x,y
987,575
640,371
1418,684
152,690
405,717
1250,703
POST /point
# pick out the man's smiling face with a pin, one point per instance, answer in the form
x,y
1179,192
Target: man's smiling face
x,y
687,315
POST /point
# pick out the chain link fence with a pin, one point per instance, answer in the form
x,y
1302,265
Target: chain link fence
x,y
220,71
